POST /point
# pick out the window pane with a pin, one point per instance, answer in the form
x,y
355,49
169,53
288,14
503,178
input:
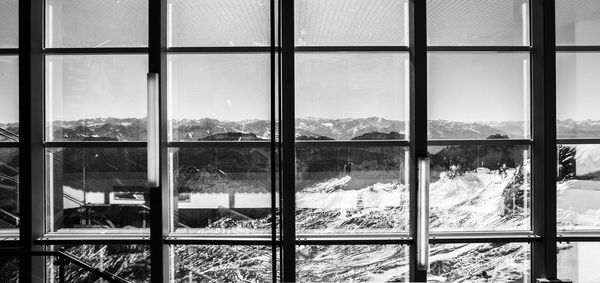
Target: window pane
x,y
577,22
577,88
482,262
220,97
480,188
9,190
9,23
91,23
96,190
351,189
477,95
219,23
346,96
9,95
96,97
219,263
478,23
129,262
221,190
578,203
353,263
351,22
9,269
578,262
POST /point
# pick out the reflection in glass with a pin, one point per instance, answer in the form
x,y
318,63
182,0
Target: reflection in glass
x,y
9,95
578,188
219,23
577,97
578,262
577,22
481,262
221,190
478,23
9,24
129,262
219,263
345,96
9,190
352,263
96,97
351,189
219,96
480,188
351,22
492,87
9,269
90,23
93,190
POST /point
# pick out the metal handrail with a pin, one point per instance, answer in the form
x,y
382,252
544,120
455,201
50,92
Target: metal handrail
x,y
63,259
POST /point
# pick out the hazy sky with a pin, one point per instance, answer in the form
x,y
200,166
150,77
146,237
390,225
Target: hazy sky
x,y
464,87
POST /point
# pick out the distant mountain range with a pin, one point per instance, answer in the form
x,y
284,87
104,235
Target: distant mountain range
x,y
134,129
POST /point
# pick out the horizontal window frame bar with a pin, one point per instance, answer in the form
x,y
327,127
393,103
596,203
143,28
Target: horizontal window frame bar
x,y
210,144
577,141
572,48
351,143
351,49
490,142
578,236
220,49
9,51
483,237
93,51
85,144
224,241
479,48
6,144
108,239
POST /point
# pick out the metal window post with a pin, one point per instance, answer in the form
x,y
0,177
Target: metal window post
x,y
544,138
418,117
159,196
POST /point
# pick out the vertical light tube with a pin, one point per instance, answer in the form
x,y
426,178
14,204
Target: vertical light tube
x,y
525,17
152,130
407,99
526,99
423,215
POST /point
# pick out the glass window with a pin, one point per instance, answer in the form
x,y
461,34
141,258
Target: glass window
x,y
351,189
478,22
578,188
478,95
129,262
219,23
9,190
220,263
479,262
220,97
9,269
352,263
9,23
578,261
351,22
577,88
480,188
91,23
96,97
97,190
577,22
352,96
221,190
9,95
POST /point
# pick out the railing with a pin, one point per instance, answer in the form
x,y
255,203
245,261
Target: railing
x,y
63,259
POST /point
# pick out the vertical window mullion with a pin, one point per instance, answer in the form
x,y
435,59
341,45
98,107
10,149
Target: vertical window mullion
x,y
418,117
544,138
159,197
